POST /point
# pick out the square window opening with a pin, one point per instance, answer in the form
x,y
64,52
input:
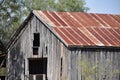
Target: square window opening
x,y
38,66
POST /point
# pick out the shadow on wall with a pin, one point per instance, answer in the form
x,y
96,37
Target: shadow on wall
x,y
16,63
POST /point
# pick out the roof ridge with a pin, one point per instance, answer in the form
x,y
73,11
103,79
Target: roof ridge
x,y
77,12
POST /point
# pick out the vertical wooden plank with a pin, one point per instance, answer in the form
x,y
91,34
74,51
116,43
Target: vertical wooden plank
x,y
37,25
109,62
58,58
102,56
97,55
79,65
53,50
48,63
118,63
34,24
65,63
49,68
69,64
73,65
115,66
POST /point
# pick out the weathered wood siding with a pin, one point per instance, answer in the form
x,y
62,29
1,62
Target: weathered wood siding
x,y
94,64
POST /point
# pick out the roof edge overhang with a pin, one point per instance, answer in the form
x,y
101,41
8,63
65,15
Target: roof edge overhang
x,y
93,47
12,40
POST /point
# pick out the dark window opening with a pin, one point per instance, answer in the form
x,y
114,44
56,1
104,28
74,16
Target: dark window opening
x,y
2,77
36,41
35,50
61,66
38,66
46,49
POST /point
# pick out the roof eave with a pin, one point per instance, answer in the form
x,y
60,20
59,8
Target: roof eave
x,y
19,29
92,47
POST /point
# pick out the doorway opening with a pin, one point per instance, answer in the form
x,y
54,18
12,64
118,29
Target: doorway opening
x,y
38,68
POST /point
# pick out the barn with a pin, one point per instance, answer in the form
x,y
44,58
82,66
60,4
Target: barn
x,y
65,46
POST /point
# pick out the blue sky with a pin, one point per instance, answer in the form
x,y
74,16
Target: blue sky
x,y
104,6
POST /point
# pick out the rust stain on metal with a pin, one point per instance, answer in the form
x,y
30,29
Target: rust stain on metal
x,y
84,29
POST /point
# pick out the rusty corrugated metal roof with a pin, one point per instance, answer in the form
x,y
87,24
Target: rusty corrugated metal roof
x,y
84,29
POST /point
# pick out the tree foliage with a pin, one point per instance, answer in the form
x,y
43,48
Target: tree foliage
x,y
57,5
13,12
10,18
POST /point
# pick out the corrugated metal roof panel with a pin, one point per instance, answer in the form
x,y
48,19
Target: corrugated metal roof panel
x,y
84,29
90,36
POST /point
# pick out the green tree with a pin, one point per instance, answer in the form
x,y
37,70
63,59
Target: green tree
x,y
10,18
13,12
56,5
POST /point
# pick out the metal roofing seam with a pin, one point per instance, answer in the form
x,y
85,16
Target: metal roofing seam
x,y
88,36
72,33
89,20
95,32
109,20
57,17
117,34
73,21
113,37
64,36
110,36
103,18
93,20
118,18
80,38
114,20
80,21
80,25
61,19
53,18
93,38
101,21
44,17
96,20
71,37
84,20
84,37
106,36
70,22
118,31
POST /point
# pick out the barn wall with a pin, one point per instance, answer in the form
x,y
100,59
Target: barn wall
x,y
94,64
17,55
21,51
